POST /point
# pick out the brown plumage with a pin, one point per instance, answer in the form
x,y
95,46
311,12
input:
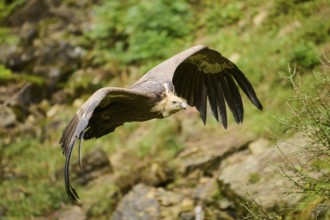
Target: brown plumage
x,y
197,74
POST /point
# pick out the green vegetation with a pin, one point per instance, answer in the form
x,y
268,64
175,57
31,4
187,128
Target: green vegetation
x,y
254,178
309,106
126,38
311,115
263,50
130,28
6,37
30,181
7,7
6,75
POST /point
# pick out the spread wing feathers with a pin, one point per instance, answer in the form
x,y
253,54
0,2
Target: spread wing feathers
x,y
206,75
103,99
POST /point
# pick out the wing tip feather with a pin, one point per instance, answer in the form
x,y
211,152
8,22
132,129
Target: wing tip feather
x,y
258,104
246,86
73,196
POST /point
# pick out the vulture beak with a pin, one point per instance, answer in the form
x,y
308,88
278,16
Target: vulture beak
x,y
183,105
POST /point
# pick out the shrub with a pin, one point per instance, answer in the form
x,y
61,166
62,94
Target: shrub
x,y
220,15
305,56
133,31
310,114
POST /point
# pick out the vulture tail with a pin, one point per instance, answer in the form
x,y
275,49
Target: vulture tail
x,y
73,196
74,130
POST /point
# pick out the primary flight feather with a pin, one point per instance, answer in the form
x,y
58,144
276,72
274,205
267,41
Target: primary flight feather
x,y
197,74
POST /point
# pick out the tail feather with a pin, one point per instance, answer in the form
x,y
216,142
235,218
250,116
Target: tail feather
x,y
69,189
74,130
68,134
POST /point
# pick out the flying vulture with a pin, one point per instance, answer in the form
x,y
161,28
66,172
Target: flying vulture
x,y
196,75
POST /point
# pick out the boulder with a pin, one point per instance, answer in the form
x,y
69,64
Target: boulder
x,y
139,204
196,156
94,164
252,176
8,117
145,202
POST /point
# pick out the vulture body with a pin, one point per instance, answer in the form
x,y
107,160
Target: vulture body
x,y
197,74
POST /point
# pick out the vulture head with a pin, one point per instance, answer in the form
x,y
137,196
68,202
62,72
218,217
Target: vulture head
x,y
169,104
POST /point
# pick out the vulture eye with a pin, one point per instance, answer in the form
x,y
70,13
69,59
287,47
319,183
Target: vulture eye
x,y
174,102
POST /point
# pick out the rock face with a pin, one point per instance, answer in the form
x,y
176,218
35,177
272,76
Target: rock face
x,y
139,204
192,196
256,174
38,54
95,164
250,174
195,156
8,117
149,203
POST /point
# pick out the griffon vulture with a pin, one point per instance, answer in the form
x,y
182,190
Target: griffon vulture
x,y
196,74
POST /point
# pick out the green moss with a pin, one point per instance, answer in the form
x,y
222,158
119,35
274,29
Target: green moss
x,y
7,7
7,76
7,38
254,178
4,72
105,201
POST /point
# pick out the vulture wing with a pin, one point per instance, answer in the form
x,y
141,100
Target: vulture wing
x,y
105,110
200,73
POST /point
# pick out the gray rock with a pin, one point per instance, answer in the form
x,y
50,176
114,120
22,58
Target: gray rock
x,y
257,177
31,11
195,156
7,117
145,202
28,33
259,146
95,164
139,204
